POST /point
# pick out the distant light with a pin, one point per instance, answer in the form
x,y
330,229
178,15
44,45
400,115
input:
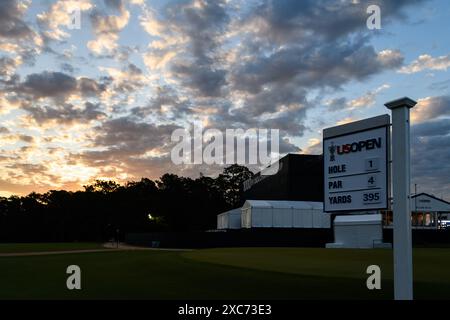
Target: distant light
x,y
150,217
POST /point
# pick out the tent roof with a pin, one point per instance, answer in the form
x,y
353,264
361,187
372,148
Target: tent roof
x,y
233,211
284,204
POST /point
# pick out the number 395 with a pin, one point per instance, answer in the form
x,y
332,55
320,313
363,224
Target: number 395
x,y
370,197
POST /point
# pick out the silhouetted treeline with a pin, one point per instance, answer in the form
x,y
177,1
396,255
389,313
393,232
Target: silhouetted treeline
x,y
172,203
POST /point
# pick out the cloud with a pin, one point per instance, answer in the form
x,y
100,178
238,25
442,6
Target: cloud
x,y
4,130
390,58
189,36
106,29
427,62
126,148
58,85
440,85
207,81
89,87
157,59
8,66
368,99
126,80
430,108
13,139
290,20
115,4
12,24
127,136
61,14
336,104
314,146
430,150
49,84
17,37
434,128
314,66
165,104
66,113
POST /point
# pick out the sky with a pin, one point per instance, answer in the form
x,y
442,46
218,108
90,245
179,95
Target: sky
x,y
101,101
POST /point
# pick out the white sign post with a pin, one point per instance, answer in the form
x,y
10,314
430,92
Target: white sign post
x,y
403,271
356,165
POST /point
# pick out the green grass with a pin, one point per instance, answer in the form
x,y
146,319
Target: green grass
x,y
240,273
43,247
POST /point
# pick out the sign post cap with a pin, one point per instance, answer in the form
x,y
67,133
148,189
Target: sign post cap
x,y
402,102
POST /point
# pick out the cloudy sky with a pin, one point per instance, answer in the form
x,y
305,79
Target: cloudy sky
x,y
102,101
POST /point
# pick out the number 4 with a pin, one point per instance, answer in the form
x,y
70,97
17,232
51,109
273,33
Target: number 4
x,y
372,182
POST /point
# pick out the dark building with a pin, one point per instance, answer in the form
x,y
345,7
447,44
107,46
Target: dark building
x,y
299,178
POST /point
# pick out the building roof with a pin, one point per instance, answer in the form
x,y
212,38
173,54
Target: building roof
x,y
431,196
428,203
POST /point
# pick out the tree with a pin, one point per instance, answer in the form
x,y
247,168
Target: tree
x,y
172,203
231,182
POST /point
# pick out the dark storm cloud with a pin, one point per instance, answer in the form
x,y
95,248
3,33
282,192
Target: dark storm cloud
x,y
66,113
11,20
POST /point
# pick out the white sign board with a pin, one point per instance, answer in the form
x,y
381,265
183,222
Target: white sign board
x,y
356,166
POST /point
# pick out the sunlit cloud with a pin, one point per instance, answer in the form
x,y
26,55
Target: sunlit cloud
x,y
427,62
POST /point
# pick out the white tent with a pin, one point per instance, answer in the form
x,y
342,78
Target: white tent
x,y
358,231
229,220
283,214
